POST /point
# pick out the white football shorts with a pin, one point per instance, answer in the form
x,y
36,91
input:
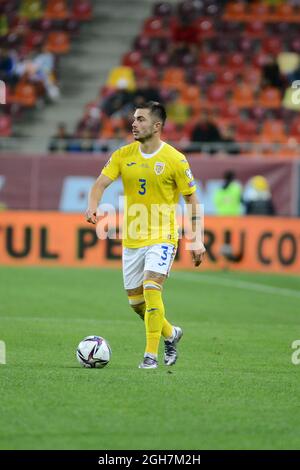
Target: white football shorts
x,y
157,258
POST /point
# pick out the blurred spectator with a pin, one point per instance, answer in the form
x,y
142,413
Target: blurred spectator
x,y
271,74
227,199
205,131
7,67
257,197
120,101
3,26
178,112
121,77
39,67
146,92
60,141
31,9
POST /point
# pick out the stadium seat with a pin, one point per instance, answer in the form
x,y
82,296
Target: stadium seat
x,y
246,130
236,62
259,10
82,10
132,59
210,61
273,131
24,95
242,96
295,129
174,78
155,28
216,94
204,28
270,98
272,45
255,29
33,40
191,96
285,12
58,42
56,10
227,77
235,11
162,9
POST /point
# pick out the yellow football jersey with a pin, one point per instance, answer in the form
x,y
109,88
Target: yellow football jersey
x,y
152,185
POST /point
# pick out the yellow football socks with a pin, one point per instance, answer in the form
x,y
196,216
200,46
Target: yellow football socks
x,y
154,315
138,304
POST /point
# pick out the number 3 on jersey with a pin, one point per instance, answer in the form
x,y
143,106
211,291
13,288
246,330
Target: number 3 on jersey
x,y
143,186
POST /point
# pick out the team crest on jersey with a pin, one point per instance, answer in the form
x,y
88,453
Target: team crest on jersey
x,y
189,173
159,168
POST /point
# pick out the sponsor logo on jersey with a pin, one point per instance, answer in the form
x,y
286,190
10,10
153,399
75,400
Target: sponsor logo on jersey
x,y
131,163
159,168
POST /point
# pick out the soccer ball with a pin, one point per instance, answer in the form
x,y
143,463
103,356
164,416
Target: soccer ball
x,y
93,351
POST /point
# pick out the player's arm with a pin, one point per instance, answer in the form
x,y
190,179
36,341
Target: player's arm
x,y
95,197
194,211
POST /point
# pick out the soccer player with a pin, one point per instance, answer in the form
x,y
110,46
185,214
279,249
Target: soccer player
x,y
154,174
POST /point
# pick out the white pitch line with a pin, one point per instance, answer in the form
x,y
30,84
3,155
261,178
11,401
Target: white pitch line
x,y
236,284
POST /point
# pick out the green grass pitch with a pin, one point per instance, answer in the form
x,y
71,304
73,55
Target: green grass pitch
x,y
234,385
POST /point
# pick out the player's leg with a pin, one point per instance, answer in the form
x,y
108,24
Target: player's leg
x,y
137,303
158,262
133,273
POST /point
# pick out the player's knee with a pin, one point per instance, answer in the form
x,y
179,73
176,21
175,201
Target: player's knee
x,y
150,285
137,303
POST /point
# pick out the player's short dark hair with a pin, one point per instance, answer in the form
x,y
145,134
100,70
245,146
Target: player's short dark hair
x,y
155,108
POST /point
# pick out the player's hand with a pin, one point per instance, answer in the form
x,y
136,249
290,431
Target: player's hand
x,y
198,255
91,216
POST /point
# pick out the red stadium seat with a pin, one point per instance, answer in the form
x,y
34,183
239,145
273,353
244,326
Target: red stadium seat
x,y
255,29
204,28
295,129
34,39
210,61
132,59
82,10
236,62
155,28
272,45
216,94
246,130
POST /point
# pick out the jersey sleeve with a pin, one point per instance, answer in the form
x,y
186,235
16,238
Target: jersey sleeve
x,y
112,166
184,177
